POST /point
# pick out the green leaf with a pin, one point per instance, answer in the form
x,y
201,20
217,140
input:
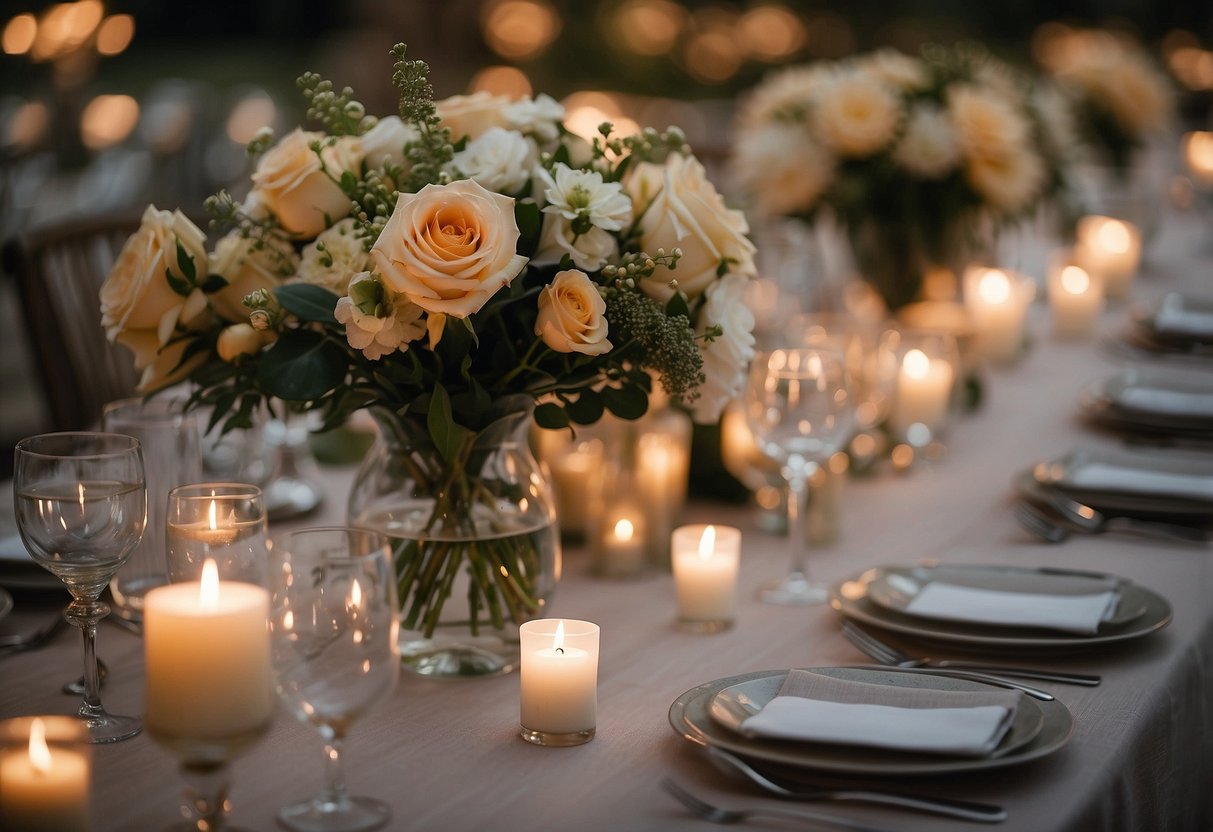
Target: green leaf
x,y
551,416
677,305
586,409
447,436
348,181
186,264
181,287
625,402
301,366
214,283
308,302
530,224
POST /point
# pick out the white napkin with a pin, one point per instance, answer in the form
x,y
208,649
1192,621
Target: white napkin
x,y
1170,402
813,707
1079,613
1104,476
1175,319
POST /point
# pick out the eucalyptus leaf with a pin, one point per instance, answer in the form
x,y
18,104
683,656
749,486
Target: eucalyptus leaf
x,y
301,366
628,402
448,437
586,409
308,302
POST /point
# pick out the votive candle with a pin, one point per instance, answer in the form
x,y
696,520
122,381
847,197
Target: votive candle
x,y
997,300
1198,156
705,559
924,391
1110,248
44,775
1075,298
558,678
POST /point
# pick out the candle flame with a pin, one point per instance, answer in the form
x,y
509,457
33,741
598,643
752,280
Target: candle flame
x,y
39,753
208,588
995,286
355,594
707,542
624,529
916,364
1075,280
80,491
1114,236
212,516
558,639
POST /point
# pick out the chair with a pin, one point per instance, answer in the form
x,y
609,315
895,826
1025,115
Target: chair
x,y
58,271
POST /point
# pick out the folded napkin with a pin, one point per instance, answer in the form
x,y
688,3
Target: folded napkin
x,y
1104,476
1078,613
1178,320
817,708
1169,402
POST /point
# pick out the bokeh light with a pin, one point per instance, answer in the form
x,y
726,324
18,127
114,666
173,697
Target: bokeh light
x,y
19,34
771,33
585,111
508,81
115,34
519,29
107,120
27,126
252,112
649,27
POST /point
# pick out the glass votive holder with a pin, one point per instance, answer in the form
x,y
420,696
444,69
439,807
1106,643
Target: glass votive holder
x,y
927,370
997,300
222,521
620,538
558,678
705,560
576,464
1110,248
45,769
1075,296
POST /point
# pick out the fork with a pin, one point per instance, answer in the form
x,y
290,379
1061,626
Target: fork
x,y
717,814
889,655
1041,522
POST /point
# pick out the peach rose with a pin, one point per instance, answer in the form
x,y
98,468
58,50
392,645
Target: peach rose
x,y
471,115
571,315
238,340
449,248
290,183
247,267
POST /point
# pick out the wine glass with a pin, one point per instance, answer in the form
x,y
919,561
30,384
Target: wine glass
x,y
81,506
799,410
333,624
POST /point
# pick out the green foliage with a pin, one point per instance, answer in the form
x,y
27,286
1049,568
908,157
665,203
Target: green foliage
x,y
337,112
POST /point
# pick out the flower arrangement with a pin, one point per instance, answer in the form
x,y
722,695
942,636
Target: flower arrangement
x,y
448,267
920,145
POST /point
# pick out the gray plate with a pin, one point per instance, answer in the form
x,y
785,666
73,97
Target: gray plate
x,y
1050,725
1189,492
1117,401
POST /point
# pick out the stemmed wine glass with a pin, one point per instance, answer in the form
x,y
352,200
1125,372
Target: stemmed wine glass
x,y
799,410
334,624
81,505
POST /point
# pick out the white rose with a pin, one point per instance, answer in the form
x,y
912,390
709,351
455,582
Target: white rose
x,y
499,159
247,267
334,257
856,114
929,149
782,168
471,115
385,142
680,208
539,117
590,251
725,358
289,181
985,122
572,315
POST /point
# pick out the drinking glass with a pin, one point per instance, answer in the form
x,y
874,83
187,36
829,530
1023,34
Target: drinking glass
x,y
222,521
799,410
333,625
81,506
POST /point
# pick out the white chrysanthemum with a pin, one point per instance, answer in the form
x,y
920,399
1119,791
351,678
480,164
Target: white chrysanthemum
x,y
377,320
1009,181
986,124
782,95
539,116
856,114
334,257
580,194
724,358
499,159
896,69
590,250
928,149
782,168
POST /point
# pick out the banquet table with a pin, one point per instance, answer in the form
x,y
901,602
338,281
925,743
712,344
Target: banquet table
x,y
446,755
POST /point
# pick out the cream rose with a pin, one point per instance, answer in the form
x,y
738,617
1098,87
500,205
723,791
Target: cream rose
x,y
572,315
857,114
247,267
141,310
471,115
680,208
385,142
334,257
449,248
726,357
290,183
783,168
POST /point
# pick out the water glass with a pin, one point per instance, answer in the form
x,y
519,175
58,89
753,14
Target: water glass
x,y
221,521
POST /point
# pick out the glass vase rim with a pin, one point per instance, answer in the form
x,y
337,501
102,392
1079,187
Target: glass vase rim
x,y
381,544
121,444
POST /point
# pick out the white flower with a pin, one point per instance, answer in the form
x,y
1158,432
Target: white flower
x,y
782,167
985,122
386,140
896,69
856,114
1058,126
929,149
334,257
499,159
783,95
581,194
590,250
1008,181
377,320
724,358
539,117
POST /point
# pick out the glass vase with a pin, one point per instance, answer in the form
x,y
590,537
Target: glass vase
x,y
474,538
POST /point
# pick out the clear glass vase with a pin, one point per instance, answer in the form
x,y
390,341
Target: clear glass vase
x,y
473,528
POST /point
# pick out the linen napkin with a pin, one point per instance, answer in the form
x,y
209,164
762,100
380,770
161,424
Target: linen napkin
x,y
1175,319
1077,613
1168,402
814,707
1102,476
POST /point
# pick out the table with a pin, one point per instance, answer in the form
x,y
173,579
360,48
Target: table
x,y
447,756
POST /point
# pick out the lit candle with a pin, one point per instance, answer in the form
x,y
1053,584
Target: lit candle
x,y
224,522
577,472
44,787
1198,155
924,388
1110,248
621,550
559,681
207,655
1076,298
997,301
663,464
705,561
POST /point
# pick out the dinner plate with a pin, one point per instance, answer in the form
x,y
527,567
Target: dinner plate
x,y
1162,481
850,598
895,587
1178,319
1050,723
1154,400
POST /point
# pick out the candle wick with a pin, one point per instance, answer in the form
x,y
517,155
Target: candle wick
x,y
560,650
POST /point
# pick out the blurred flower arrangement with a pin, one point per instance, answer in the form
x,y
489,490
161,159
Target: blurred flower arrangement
x,y
913,156
447,268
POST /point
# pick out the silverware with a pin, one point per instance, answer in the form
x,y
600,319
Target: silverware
x,y
1041,522
1089,520
889,655
716,814
33,639
76,688
963,809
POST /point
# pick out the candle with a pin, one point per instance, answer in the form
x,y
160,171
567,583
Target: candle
x,y
577,472
1198,155
558,678
663,464
924,388
705,561
1110,248
44,787
207,654
997,301
223,522
1075,296
621,545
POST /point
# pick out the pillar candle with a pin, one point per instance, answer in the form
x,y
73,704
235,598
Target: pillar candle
x,y
663,464
558,680
924,388
1110,248
1075,297
997,301
44,787
705,561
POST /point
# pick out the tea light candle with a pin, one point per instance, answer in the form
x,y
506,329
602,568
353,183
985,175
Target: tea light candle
x,y
224,522
1076,298
997,301
924,388
1198,156
558,678
44,787
621,540
207,655
1110,248
705,561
